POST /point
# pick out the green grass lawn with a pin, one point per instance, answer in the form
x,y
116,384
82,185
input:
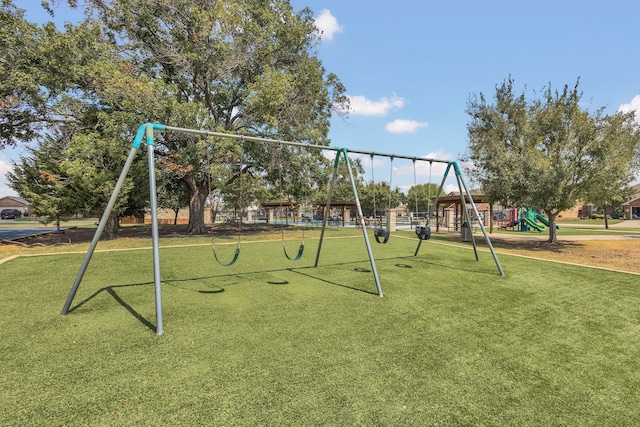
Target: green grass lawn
x,y
271,342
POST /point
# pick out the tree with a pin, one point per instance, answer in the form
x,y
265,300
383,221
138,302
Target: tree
x,y
39,177
172,192
617,169
342,189
24,106
90,102
237,66
546,153
424,195
384,197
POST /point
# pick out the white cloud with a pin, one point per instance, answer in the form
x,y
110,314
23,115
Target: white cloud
x,y
5,167
424,168
634,105
451,188
404,126
365,159
329,154
327,24
361,106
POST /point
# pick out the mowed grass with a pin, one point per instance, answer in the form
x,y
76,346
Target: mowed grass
x,y
272,342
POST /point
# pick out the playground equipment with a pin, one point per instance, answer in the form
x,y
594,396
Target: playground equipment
x,y
528,221
146,131
298,256
524,219
240,199
378,231
544,220
423,231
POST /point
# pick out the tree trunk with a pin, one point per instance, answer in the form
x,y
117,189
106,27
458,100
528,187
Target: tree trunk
x,y
196,207
196,214
606,219
175,217
213,212
553,237
111,227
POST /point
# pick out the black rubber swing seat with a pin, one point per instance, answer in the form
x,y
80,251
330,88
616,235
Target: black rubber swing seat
x,y
423,233
381,235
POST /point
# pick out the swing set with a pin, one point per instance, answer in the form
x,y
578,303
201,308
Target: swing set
x,y
298,256
146,132
381,234
236,254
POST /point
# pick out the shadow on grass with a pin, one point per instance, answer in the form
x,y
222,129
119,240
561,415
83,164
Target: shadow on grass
x,y
303,271
342,285
410,258
111,290
248,276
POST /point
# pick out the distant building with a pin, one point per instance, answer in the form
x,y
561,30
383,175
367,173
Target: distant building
x,y
632,206
15,202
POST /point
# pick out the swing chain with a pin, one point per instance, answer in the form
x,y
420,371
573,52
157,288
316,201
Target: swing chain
x,y
381,235
240,204
298,256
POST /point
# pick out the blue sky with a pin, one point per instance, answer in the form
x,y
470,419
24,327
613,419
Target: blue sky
x,y
410,66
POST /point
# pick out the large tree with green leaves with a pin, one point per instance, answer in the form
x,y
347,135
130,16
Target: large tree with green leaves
x,y
547,153
245,66
378,197
69,174
85,104
610,182
21,100
423,195
41,178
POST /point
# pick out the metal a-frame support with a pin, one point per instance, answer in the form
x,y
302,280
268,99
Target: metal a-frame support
x,y
144,130
336,163
465,191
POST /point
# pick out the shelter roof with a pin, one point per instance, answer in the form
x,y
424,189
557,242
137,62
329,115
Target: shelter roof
x,y
477,198
337,203
277,204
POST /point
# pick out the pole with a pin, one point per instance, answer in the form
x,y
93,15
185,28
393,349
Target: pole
x,y
99,230
444,177
484,231
325,213
465,214
154,230
362,226
297,144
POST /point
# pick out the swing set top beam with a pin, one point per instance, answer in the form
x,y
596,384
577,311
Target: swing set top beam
x,y
138,140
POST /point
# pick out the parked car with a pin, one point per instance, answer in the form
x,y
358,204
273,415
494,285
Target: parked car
x,y
10,214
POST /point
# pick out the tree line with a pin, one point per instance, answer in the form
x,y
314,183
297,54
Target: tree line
x,y
79,94
250,67
244,67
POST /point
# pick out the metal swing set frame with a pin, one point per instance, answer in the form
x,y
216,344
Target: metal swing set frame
x,y
146,132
